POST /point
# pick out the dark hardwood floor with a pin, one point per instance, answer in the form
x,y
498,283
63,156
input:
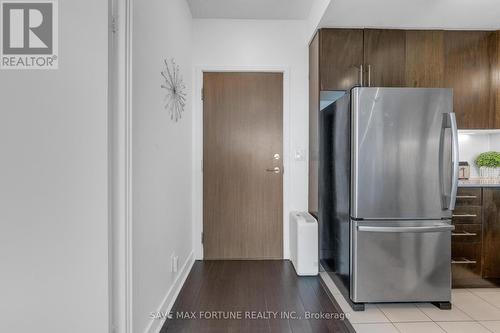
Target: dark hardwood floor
x,y
259,295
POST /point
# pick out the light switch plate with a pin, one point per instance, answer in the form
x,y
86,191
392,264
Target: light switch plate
x,y
300,155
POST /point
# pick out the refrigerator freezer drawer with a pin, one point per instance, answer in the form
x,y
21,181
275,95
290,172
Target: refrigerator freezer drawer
x,y
401,261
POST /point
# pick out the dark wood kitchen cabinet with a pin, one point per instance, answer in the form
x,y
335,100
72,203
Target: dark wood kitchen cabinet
x,y
404,58
496,121
384,57
342,52
476,238
424,58
340,57
467,240
491,235
467,61
335,57
390,58
471,70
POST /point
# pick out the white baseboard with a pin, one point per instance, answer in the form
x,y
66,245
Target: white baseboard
x,y
168,301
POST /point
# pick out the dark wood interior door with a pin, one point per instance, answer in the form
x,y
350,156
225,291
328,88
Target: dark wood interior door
x,y
242,165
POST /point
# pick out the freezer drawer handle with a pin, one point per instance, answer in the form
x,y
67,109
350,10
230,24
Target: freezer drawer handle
x,y
434,228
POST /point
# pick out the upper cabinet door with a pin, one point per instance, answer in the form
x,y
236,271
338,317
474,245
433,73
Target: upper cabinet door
x,y
470,70
384,58
496,61
425,58
341,54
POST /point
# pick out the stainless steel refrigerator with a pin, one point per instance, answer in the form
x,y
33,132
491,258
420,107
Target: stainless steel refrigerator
x,y
388,176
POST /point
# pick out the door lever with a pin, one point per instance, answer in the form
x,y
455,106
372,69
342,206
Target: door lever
x,y
275,170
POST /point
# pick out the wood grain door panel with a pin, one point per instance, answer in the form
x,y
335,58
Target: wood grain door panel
x,y
496,68
242,130
470,71
469,197
341,54
384,51
467,215
425,58
491,247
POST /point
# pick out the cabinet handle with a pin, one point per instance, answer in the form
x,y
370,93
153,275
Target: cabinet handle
x,y
361,73
369,75
463,261
466,197
465,233
464,215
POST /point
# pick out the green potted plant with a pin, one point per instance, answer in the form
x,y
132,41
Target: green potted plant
x,y
489,164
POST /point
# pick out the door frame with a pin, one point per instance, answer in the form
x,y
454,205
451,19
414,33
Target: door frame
x,y
197,126
120,167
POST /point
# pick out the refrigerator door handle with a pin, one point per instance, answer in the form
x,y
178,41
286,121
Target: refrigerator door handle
x,y
435,228
449,198
444,125
455,160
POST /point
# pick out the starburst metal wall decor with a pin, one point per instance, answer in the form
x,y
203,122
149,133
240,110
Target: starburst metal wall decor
x,y
175,97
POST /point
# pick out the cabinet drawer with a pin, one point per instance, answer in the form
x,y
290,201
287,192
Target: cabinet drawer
x,y
468,197
466,233
466,263
467,215
464,271
462,251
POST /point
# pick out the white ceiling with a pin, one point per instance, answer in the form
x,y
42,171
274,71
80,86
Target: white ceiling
x,y
413,14
251,9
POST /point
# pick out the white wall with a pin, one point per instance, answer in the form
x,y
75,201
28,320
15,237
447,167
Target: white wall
x,y
161,162
473,143
256,44
495,142
53,184
318,10
411,14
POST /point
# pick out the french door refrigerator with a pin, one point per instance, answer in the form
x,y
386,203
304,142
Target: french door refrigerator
x,y
388,176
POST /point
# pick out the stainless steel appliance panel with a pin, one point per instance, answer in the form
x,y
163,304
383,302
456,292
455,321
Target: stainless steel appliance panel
x,y
404,153
401,261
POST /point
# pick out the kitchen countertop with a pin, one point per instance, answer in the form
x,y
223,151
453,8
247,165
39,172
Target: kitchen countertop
x,y
477,182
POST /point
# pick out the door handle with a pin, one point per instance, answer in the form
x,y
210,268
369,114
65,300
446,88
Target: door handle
x,y
455,158
275,170
449,198
433,228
